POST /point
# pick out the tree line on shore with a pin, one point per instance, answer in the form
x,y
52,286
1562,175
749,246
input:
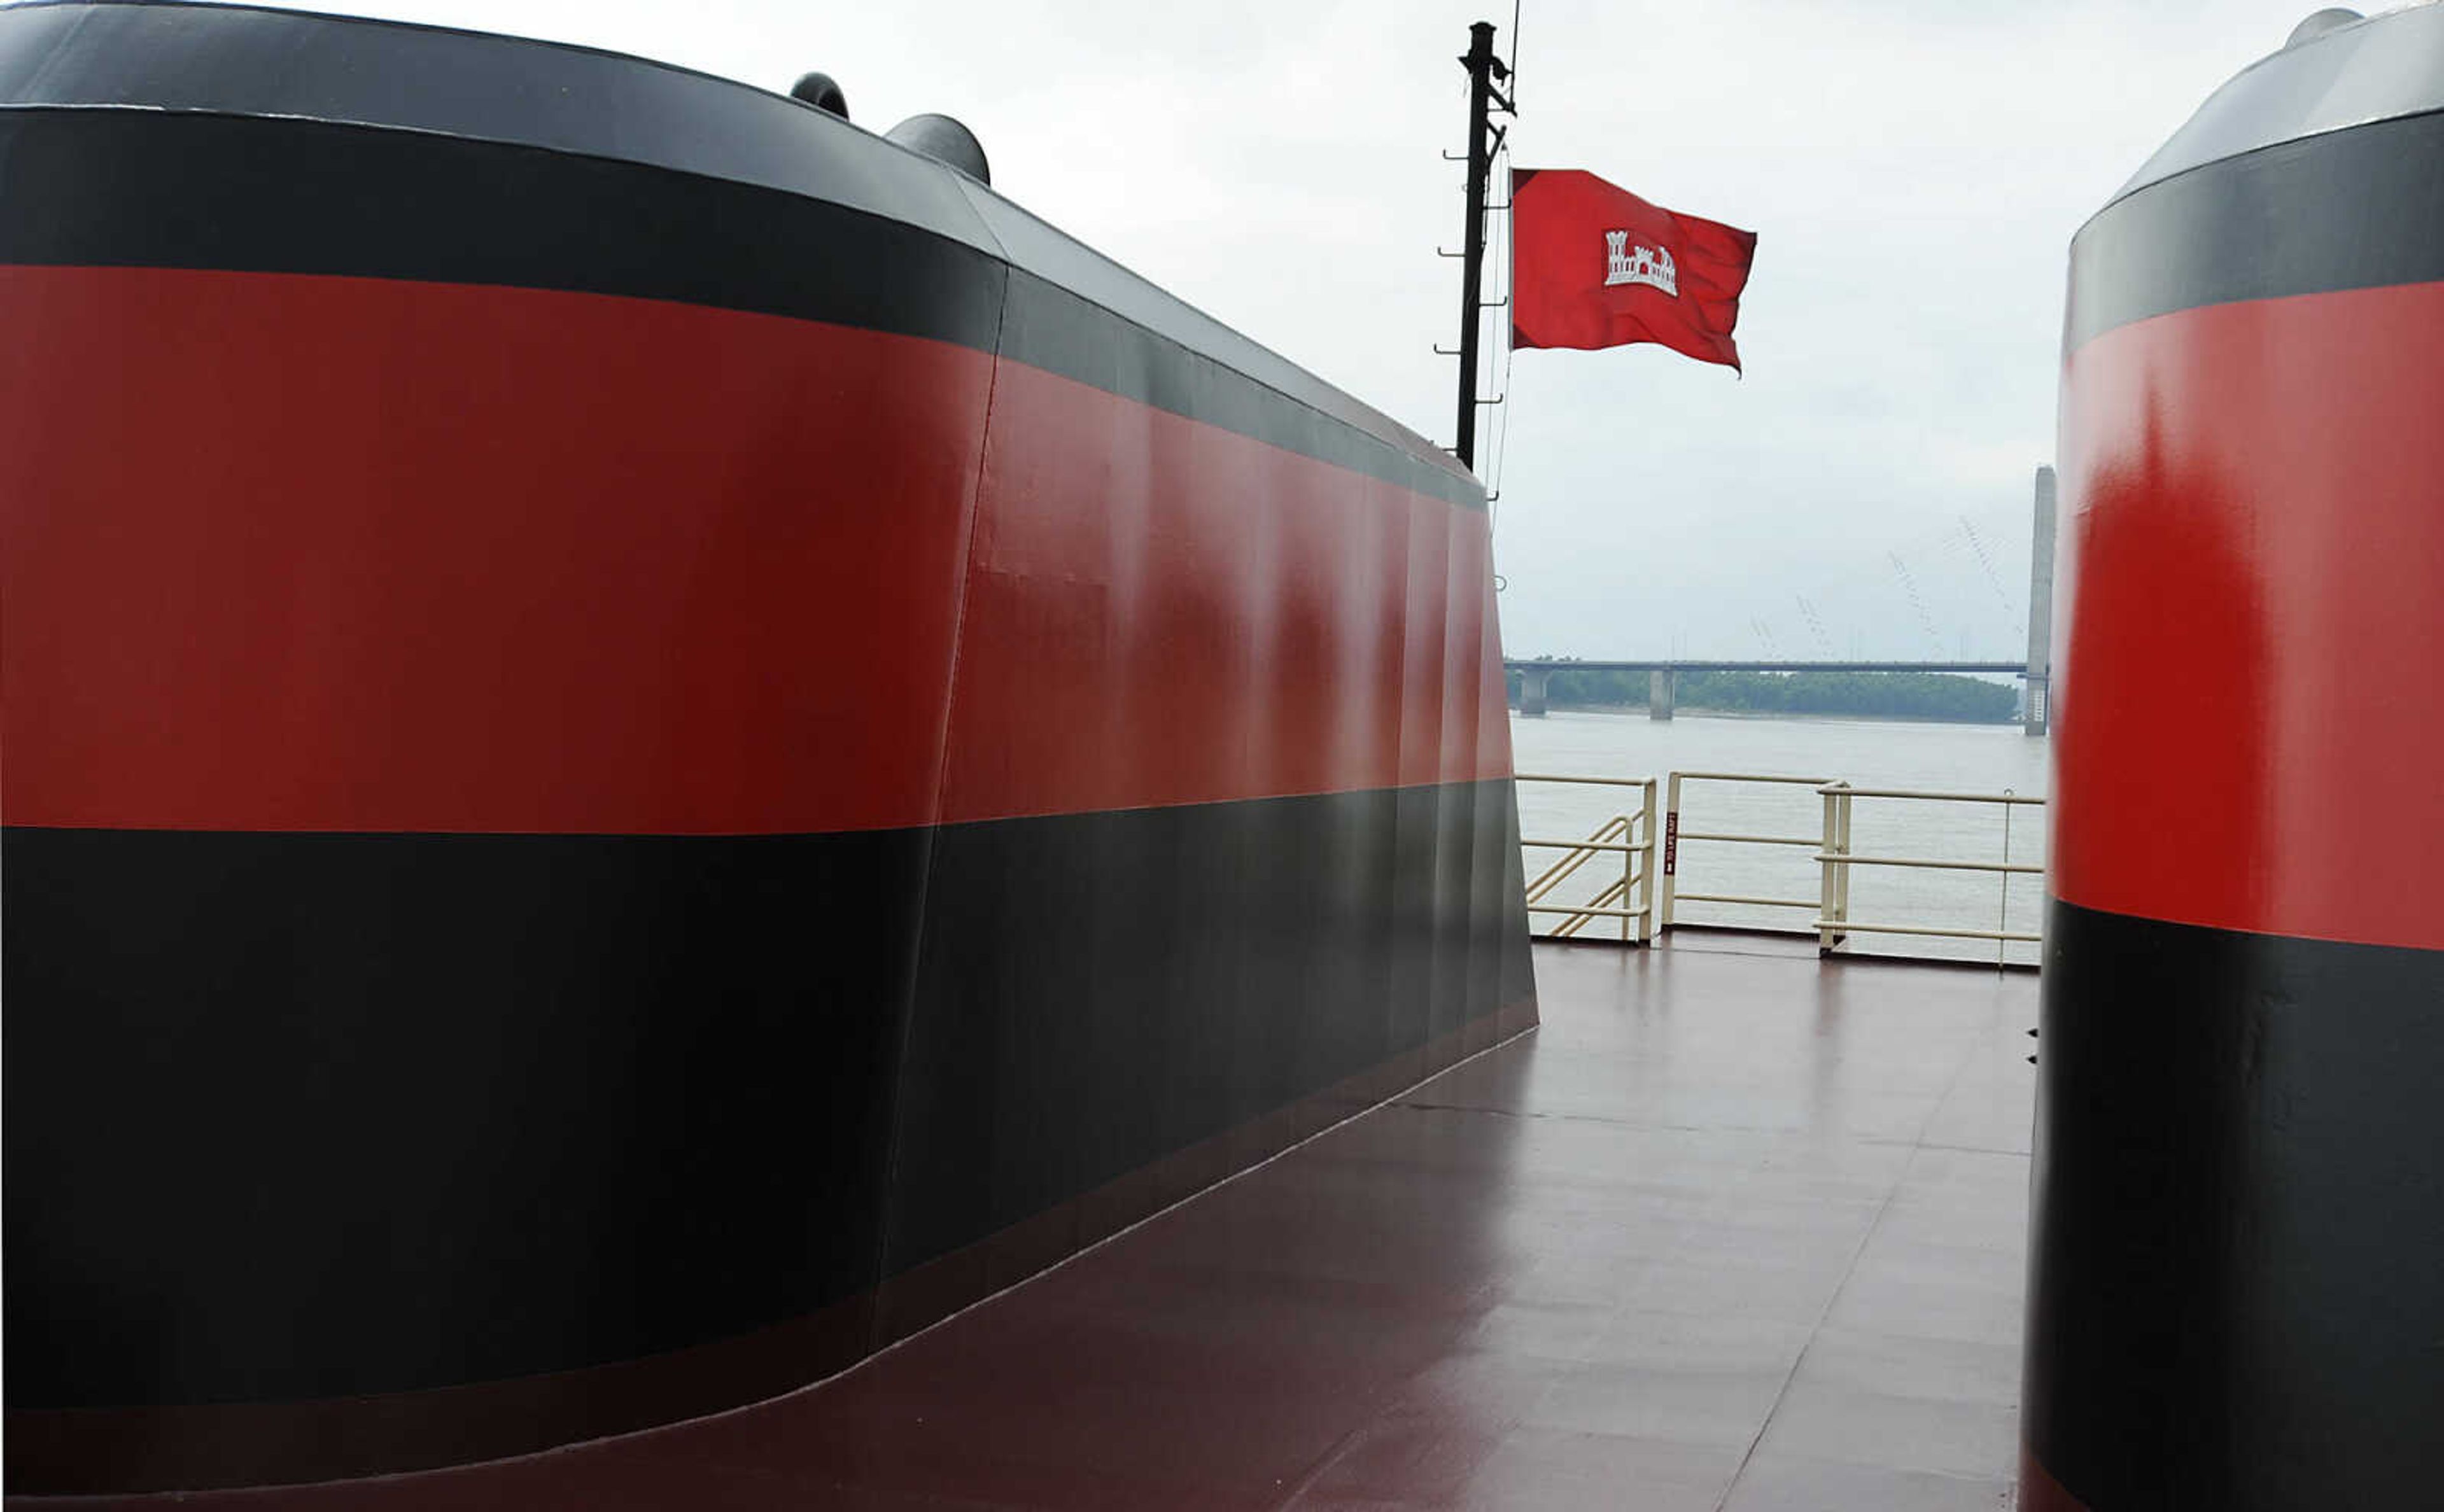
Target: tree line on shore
x,y
1877,694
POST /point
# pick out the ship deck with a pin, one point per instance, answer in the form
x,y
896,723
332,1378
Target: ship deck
x,y
1733,1230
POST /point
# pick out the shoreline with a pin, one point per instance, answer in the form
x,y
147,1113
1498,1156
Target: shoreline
x,y
1695,711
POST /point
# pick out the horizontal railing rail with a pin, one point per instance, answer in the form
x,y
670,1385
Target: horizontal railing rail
x,y
1646,896
1629,835
1676,784
1833,921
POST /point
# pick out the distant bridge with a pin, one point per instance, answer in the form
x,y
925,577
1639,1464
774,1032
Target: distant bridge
x,y
1663,675
2015,669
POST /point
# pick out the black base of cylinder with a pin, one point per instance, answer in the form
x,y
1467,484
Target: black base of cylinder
x,y
2238,1210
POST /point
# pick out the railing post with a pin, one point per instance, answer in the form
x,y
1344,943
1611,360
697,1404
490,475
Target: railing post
x,y
1647,872
1833,905
1671,848
2002,907
1824,878
1628,861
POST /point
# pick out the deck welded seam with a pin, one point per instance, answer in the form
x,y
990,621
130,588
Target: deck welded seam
x,y
1849,1272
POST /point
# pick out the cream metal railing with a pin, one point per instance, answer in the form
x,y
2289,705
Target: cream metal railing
x,y
1672,835
1833,921
1629,835
1658,891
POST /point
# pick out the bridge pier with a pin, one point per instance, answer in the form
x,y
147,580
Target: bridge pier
x,y
2036,716
1662,686
1532,691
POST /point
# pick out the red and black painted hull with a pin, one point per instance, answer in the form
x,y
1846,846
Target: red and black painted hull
x,y
636,764
2235,1299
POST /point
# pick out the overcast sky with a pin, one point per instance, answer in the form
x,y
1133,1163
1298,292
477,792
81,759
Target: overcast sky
x,y
1914,169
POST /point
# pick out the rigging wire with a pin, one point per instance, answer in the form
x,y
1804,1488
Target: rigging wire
x,y
1514,57
1501,448
1501,437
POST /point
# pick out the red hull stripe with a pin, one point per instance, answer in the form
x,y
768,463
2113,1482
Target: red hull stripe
x,y
282,195
1161,612
324,553
2247,699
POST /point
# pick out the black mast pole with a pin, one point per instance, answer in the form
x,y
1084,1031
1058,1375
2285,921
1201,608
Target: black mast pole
x,y
1483,69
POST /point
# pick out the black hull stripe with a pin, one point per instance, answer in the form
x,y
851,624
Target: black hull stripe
x,y
279,64
2238,1211
298,1116
273,196
2357,209
287,197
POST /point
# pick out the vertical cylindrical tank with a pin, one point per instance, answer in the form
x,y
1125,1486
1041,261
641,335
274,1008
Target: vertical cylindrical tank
x,y
2236,1287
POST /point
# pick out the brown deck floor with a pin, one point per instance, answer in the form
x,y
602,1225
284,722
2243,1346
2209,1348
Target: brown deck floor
x,y
1731,1231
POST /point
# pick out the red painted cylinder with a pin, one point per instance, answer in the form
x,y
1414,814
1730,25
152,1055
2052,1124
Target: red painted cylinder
x,y
2234,1300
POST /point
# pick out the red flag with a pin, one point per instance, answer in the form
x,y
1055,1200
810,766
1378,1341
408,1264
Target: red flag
x,y
1593,264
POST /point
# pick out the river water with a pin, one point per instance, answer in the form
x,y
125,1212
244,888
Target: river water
x,y
1866,754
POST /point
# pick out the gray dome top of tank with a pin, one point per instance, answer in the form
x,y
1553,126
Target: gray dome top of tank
x,y
188,55
2336,70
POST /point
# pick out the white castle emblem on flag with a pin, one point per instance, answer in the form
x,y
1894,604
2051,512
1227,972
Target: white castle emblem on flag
x,y
1639,265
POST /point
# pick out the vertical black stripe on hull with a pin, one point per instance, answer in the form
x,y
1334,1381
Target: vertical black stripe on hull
x,y
2239,1210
